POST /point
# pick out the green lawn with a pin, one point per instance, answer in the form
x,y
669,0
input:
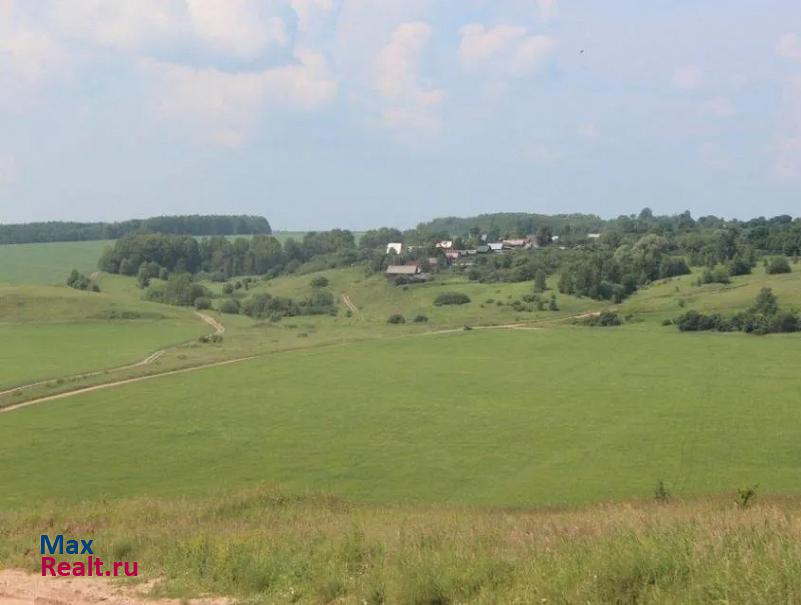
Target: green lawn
x,y
48,263
32,352
491,417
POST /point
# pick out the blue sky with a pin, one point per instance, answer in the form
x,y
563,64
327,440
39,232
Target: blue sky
x,y
356,113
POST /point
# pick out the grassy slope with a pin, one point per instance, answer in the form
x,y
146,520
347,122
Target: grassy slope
x,y
504,417
47,263
268,546
53,331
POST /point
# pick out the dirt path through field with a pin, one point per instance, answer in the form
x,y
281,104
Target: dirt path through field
x,y
353,308
23,588
218,329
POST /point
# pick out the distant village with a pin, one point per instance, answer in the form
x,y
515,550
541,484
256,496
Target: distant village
x,y
421,269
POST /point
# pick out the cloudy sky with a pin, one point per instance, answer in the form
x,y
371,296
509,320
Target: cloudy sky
x,y
357,113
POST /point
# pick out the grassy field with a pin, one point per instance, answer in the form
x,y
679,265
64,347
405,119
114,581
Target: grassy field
x,y
513,418
48,263
264,545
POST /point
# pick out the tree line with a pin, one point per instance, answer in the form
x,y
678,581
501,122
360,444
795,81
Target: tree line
x,y
59,231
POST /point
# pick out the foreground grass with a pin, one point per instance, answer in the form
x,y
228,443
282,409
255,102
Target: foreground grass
x,y
268,546
497,417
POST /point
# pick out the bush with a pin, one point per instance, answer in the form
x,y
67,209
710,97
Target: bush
x,y
319,282
717,275
420,319
228,289
778,264
230,306
202,302
451,298
396,318
78,281
604,319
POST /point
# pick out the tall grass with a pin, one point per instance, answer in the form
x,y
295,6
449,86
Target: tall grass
x,y
265,545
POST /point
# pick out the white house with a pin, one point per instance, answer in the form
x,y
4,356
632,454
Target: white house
x,y
593,235
445,244
495,246
396,246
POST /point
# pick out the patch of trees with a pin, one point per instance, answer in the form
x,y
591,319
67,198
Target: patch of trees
x,y
79,281
777,265
179,289
451,298
59,231
220,258
763,317
266,306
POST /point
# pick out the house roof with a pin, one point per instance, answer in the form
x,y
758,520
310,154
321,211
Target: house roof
x,y
515,242
495,245
402,269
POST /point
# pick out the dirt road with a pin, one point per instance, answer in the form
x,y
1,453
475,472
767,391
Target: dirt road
x,y
218,329
353,308
22,588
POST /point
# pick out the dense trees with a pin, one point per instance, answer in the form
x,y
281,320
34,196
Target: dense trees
x,y
266,306
57,231
451,298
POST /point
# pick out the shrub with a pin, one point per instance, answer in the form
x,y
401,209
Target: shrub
x,y
319,282
552,306
451,298
717,275
661,494
228,289
230,306
739,266
604,319
78,280
420,319
396,318
202,302
778,264
672,266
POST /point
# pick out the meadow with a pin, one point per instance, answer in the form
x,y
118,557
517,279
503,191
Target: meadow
x,y
48,263
504,417
424,463
266,545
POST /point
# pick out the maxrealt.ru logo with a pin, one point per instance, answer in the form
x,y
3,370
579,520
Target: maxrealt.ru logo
x,y
91,565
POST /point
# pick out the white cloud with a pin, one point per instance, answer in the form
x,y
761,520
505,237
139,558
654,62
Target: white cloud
x,y
787,163
117,24
408,102
223,107
719,107
237,27
689,77
307,10
9,171
28,53
503,49
548,9
789,47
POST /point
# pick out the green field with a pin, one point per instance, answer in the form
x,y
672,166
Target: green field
x,y
512,418
38,352
47,263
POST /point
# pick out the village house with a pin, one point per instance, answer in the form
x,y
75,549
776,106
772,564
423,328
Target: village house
x,y
396,246
593,235
396,270
522,242
495,246
445,244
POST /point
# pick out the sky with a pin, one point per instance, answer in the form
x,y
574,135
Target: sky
x,y
359,113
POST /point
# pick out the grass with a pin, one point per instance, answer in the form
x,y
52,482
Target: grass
x,y
48,263
512,418
37,352
264,545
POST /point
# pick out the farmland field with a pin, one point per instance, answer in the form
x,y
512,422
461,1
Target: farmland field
x,y
48,263
509,418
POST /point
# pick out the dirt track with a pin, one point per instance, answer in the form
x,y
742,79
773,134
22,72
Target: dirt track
x,y
218,329
23,588
353,308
